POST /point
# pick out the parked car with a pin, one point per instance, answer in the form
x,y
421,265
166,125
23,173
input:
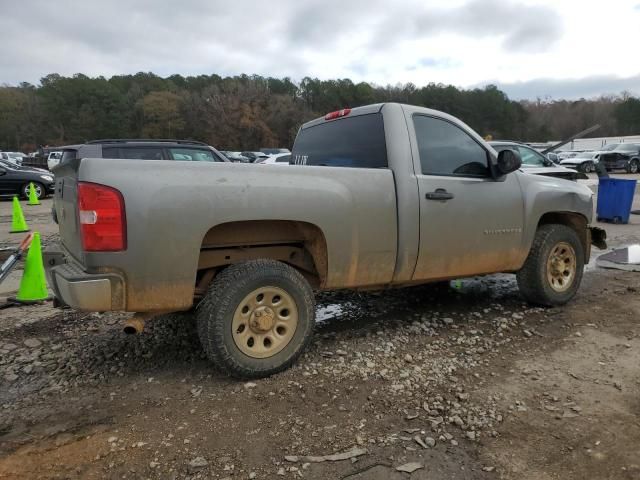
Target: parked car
x,y
625,156
279,158
235,156
553,157
254,157
567,154
13,157
275,151
180,150
15,179
53,159
535,162
380,196
583,162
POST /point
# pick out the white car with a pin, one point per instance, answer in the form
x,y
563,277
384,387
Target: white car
x,y
586,161
277,159
583,162
535,163
13,157
53,159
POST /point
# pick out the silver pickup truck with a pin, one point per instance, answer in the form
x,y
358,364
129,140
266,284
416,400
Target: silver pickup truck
x,y
380,196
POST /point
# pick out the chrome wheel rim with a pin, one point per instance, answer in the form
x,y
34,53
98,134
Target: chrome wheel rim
x,y
561,267
36,188
264,322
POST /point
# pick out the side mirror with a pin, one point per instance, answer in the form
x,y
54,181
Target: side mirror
x,y
2,171
508,161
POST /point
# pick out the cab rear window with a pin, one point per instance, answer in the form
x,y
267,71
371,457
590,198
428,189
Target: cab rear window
x,y
356,142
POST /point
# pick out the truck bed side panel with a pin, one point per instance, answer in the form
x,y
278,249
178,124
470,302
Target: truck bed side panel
x,y
170,206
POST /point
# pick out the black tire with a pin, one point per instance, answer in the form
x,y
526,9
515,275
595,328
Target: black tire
x,y
215,316
533,280
41,191
586,167
633,166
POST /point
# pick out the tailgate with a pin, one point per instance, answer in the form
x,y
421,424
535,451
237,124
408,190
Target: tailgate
x,y
66,206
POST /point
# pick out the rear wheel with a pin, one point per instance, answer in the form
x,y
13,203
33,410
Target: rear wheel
x,y
633,166
553,270
587,167
257,318
41,192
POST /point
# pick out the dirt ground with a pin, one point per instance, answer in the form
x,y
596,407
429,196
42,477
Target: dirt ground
x,y
465,382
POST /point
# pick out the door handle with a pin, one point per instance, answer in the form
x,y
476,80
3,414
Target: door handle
x,y
439,194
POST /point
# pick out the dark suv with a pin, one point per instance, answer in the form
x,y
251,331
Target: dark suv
x,y
625,156
180,150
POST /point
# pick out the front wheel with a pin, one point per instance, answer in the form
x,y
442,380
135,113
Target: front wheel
x,y
41,192
633,167
552,273
257,318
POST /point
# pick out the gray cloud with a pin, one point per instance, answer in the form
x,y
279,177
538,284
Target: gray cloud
x,y
280,37
522,28
119,36
587,87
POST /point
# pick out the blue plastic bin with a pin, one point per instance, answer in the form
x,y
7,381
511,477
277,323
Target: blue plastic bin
x,y
615,197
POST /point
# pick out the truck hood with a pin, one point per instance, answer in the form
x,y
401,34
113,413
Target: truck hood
x,y
558,172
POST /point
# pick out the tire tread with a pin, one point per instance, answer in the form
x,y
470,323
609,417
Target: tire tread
x,y
530,277
217,301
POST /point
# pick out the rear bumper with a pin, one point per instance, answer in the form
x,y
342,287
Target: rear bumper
x,y
78,289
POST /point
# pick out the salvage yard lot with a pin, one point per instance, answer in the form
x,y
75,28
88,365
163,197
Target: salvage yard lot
x,y
468,382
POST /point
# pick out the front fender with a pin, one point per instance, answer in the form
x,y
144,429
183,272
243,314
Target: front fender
x,y
549,196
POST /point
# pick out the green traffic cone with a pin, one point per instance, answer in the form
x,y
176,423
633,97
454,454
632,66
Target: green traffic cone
x,y
33,197
33,286
18,223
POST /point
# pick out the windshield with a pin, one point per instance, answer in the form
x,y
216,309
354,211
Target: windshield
x,y
608,148
9,165
627,147
584,155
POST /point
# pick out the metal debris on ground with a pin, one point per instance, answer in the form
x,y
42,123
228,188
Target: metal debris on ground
x,y
354,452
410,467
627,258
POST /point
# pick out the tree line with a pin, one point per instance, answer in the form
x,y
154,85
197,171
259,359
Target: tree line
x,y
248,112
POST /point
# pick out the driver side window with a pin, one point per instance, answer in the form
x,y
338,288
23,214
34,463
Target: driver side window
x,y
446,149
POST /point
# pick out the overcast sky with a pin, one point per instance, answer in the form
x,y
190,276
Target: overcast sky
x,y
530,48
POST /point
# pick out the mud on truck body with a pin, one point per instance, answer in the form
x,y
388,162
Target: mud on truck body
x,y
380,196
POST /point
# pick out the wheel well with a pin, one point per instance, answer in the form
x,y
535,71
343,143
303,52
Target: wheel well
x,y
572,220
299,244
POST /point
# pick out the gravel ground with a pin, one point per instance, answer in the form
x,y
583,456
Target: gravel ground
x,y
430,382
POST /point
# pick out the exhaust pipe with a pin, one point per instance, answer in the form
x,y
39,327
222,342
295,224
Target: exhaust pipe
x,y
135,325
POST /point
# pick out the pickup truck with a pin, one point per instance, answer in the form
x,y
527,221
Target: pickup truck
x,y
380,196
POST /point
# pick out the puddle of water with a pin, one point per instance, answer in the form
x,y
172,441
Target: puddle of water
x,y
627,258
328,312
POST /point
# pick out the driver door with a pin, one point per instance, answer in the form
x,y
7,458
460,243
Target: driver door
x,y
470,223
6,186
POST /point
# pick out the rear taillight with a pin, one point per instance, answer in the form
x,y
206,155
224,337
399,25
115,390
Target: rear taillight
x,y
337,114
103,224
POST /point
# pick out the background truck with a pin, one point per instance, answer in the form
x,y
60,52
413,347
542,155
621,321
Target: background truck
x,y
380,196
